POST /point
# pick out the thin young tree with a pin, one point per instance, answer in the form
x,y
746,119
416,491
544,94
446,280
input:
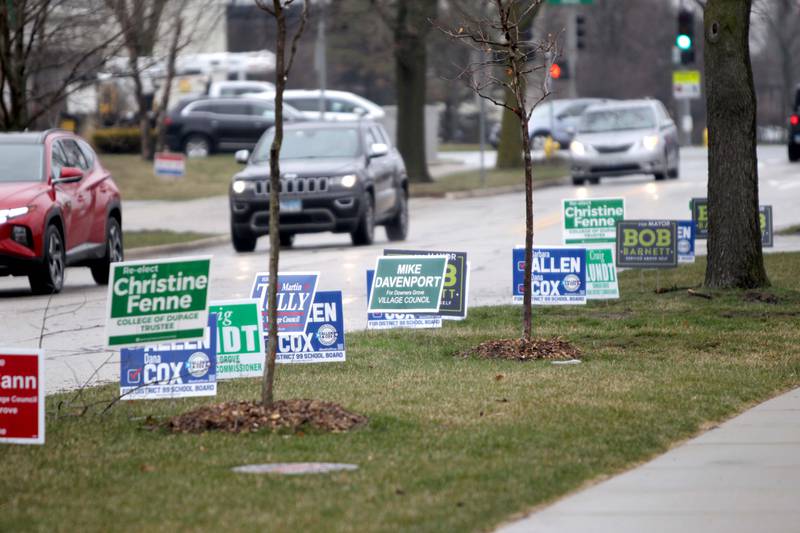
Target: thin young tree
x,y
735,257
510,67
283,65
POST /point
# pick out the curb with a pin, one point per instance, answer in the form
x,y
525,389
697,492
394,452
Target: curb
x,y
493,191
145,251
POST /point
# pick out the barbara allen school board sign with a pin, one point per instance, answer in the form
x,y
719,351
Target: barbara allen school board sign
x,y
558,275
156,301
22,395
323,339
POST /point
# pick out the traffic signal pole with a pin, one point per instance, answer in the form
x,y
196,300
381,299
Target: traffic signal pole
x,y
572,55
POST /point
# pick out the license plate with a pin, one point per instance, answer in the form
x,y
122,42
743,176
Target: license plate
x,y
291,206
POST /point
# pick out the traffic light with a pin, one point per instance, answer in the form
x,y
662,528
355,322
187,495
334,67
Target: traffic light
x,y
560,70
555,71
580,32
684,40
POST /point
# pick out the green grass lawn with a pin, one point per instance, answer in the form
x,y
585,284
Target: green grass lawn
x,y
452,444
462,181
142,238
204,177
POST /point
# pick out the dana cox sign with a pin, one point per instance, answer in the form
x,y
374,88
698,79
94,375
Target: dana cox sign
x,y
647,244
558,275
240,344
408,284
21,396
155,301
323,338
592,221
177,370
686,241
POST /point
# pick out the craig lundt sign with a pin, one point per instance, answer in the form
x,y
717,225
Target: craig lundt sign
x,y
21,396
647,244
558,275
156,301
593,220
408,283
240,344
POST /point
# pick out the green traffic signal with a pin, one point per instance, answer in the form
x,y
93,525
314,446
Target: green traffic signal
x,y
683,41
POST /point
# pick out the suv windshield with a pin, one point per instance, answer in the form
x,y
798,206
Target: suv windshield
x,y
311,144
21,162
632,118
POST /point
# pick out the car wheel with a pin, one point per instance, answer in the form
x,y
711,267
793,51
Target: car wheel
x,y
49,277
660,176
243,240
594,181
794,152
114,253
197,145
287,240
577,181
397,228
365,232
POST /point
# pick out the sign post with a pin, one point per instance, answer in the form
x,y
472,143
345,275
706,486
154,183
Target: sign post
x,y
22,395
157,300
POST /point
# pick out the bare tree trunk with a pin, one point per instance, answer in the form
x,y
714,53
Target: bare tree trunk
x,y
734,241
166,94
509,143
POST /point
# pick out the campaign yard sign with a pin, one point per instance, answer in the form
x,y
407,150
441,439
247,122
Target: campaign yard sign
x,y
592,220
240,343
601,273
765,220
323,338
157,300
398,320
685,241
456,282
408,284
22,394
295,296
647,244
176,370
558,275
699,207
169,164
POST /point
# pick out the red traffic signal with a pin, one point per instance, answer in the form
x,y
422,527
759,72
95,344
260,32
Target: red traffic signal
x,y
555,71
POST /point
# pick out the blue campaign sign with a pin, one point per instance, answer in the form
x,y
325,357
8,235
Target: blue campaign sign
x,y
398,320
176,370
295,295
558,275
686,234
323,339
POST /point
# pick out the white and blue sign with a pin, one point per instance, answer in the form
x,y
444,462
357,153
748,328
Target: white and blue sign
x,y
558,275
398,320
323,338
176,370
295,296
167,164
686,233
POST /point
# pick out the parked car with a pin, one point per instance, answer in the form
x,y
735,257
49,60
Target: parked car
x,y
231,88
339,105
622,138
794,128
336,176
59,207
556,118
202,126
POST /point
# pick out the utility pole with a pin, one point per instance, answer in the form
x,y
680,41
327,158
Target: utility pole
x,y
572,54
320,56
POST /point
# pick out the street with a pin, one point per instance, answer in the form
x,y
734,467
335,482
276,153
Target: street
x,y
487,228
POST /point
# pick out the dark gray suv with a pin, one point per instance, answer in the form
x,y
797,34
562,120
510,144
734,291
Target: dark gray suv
x,y
339,177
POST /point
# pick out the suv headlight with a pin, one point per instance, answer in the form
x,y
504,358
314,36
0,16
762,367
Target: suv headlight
x,y
8,214
650,142
239,186
577,148
347,181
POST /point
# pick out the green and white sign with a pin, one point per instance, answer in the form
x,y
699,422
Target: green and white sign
x,y
765,221
157,301
240,344
593,220
408,283
601,274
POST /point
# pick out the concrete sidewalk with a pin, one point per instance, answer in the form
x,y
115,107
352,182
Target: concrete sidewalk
x,y
743,476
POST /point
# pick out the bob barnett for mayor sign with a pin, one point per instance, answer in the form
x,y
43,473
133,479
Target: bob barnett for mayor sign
x,y
647,244
408,283
593,220
156,301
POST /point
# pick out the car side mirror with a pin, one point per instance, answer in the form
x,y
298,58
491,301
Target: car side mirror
x,y
69,175
242,156
378,150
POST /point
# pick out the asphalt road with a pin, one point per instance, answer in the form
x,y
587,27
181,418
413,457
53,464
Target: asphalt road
x,y
487,228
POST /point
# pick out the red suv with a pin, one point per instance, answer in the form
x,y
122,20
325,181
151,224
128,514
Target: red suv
x,y
58,207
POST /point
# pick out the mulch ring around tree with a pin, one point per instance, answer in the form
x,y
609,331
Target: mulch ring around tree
x,y
761,297
283,416
518,350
